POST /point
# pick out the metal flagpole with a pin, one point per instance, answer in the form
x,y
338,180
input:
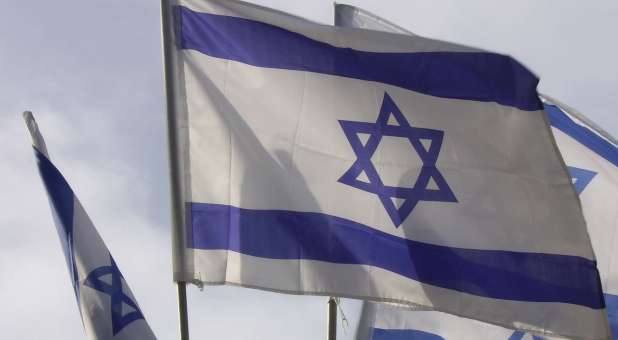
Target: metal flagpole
x,y
167,31
182,310
332,319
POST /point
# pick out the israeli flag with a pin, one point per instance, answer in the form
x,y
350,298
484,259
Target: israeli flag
x,y
591,156
108,309
355,163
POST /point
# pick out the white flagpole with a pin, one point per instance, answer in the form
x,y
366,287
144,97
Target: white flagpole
x,y
167,29
332,319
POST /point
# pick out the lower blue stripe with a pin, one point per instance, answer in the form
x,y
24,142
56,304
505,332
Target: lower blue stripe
x,y
479,76
279,234
591,140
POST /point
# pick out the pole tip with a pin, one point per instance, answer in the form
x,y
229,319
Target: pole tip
x,y
37,139
27,116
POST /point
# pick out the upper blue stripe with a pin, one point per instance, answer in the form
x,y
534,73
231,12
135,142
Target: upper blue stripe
x,y
62,202
479,76
587,137
279,234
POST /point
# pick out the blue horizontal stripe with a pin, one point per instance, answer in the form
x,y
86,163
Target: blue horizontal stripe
x,y
61,199
587,137
479,76
280,234
59,193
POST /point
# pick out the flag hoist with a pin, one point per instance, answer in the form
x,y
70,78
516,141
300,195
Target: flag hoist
x,y
312,159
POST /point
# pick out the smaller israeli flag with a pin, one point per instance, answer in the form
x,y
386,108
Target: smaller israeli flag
x,y
107,306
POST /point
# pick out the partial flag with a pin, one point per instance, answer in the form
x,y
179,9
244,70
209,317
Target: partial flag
x,y
591,155
108,309
587,150
355,163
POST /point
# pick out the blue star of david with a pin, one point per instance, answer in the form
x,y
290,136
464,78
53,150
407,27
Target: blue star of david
x,y
118,297
410,196
581,178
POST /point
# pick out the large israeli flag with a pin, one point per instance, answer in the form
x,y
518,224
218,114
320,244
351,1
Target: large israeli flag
x,y
591,156
108,309
355,163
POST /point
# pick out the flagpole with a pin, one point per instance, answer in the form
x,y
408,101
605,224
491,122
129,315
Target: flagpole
x,y
332,319
167,29
182,310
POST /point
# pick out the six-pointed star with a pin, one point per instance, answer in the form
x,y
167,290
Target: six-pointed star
x,y
118,297
581,178
410,195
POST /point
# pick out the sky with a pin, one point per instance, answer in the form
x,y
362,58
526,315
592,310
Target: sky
x,y
91,73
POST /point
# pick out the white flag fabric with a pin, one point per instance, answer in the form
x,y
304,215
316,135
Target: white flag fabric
x,y
590,154
351,16
356,163
108,309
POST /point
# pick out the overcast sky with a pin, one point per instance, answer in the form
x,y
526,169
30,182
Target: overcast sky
x,y
91,73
